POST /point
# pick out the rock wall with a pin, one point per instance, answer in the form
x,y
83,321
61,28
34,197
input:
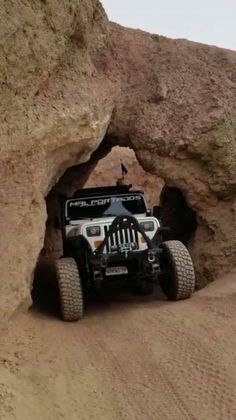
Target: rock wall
x,y
177,110
54,111
69,79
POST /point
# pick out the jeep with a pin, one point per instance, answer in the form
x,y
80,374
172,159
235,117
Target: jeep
x,y
110,234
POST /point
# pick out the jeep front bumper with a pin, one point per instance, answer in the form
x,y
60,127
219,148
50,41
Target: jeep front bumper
x,y
136,262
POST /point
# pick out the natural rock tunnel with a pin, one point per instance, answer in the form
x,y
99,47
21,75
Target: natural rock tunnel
x,y
72,80
175,213
102,169
98,171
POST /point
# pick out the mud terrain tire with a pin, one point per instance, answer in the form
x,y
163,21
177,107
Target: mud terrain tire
x,y
179,282
70,289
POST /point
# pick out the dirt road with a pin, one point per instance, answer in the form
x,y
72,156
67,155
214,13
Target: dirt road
x,y
128,359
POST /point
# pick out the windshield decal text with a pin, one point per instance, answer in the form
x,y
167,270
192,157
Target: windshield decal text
x,y
103,201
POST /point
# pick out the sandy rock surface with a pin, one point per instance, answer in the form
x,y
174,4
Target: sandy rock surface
x,y
54,112
70,80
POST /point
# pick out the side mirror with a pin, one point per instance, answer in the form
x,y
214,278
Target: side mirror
x,y
157,210
149,212
56,224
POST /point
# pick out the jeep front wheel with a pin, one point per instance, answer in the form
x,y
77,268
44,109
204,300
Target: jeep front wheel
x,y
178,278
70,289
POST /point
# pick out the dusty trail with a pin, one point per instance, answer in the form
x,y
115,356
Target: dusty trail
x,y
129,359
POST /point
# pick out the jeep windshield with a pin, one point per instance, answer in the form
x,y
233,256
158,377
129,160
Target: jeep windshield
x,y
104,206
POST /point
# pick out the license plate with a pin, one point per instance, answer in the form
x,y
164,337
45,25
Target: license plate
x,y
114,271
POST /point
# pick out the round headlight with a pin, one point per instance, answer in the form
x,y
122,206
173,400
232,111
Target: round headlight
x,y
93,231
147,226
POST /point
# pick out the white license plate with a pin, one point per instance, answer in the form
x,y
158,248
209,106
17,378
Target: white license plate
x,y
114,271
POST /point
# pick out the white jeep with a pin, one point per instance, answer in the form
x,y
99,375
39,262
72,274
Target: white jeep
x,y
109,234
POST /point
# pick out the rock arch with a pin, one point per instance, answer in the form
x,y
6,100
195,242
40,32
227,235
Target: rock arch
x,y
67,86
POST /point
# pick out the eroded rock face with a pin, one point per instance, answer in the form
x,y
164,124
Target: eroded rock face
x,y
177,110
68,78
55,109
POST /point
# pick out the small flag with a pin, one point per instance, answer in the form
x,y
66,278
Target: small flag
x,y
123,169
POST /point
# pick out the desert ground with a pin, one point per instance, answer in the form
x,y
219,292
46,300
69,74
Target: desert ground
x,y
129,358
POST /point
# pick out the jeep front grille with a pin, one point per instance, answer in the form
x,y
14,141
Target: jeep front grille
x,y
121,236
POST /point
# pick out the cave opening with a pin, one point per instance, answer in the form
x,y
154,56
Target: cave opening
x,y
177,215
104,169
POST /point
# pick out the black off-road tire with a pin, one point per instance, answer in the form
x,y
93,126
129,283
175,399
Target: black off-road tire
x,y
70,289
179,281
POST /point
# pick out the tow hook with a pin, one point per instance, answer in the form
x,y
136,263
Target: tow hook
x,y
104,263
151,258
